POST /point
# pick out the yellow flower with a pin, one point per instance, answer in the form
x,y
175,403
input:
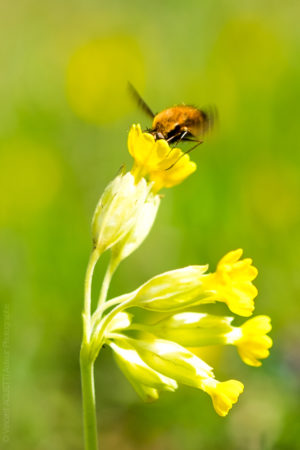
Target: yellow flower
x,y
223,394
154,365
181,288
194,329
251,340
232,283
164,166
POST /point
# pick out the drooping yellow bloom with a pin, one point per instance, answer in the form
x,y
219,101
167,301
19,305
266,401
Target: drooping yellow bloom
x,y
251,340
194,330
223,394
159,364
163,165
232,283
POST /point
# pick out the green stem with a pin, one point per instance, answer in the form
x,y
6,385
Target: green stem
x,y
113,264
88,401
99,329
97,316
87,295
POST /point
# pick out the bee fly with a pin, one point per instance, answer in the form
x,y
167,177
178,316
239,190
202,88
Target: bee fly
x,y
178,123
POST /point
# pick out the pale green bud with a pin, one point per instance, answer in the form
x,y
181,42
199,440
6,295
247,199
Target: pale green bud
x,y
194,329
140,230
146,381
172,360
172,290
117,210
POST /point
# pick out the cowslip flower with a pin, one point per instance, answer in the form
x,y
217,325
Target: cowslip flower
x,y
182,288
251,340
160,365
193,329
232,283
155,159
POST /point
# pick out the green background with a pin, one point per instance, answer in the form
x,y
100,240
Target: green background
x,y
64,119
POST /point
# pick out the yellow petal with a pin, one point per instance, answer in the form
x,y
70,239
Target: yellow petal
x,y
223,394
232,283
254,344
165,166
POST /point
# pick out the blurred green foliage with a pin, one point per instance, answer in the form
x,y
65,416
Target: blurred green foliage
x,y
64,118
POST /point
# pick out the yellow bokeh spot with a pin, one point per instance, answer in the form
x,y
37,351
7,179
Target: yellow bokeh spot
x,y
30,179
97,77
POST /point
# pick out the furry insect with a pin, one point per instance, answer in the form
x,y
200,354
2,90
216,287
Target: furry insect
x,y
178,123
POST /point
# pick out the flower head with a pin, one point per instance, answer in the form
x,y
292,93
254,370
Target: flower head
x,y
159,353
232,283
165,345
163,165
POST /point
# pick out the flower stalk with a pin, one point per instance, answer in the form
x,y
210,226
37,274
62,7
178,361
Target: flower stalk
x,y
88,401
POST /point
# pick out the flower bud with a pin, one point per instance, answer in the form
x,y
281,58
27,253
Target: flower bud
x,y
172,360
146,381
140,229
172,290
192,329
117,210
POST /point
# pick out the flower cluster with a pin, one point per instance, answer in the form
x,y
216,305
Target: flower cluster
x,y
158,352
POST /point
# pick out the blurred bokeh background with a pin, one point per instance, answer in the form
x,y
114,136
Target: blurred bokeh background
x,y
64,118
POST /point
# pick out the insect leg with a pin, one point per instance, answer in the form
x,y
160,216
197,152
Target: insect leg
x,y
188,151
194,146
176,142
